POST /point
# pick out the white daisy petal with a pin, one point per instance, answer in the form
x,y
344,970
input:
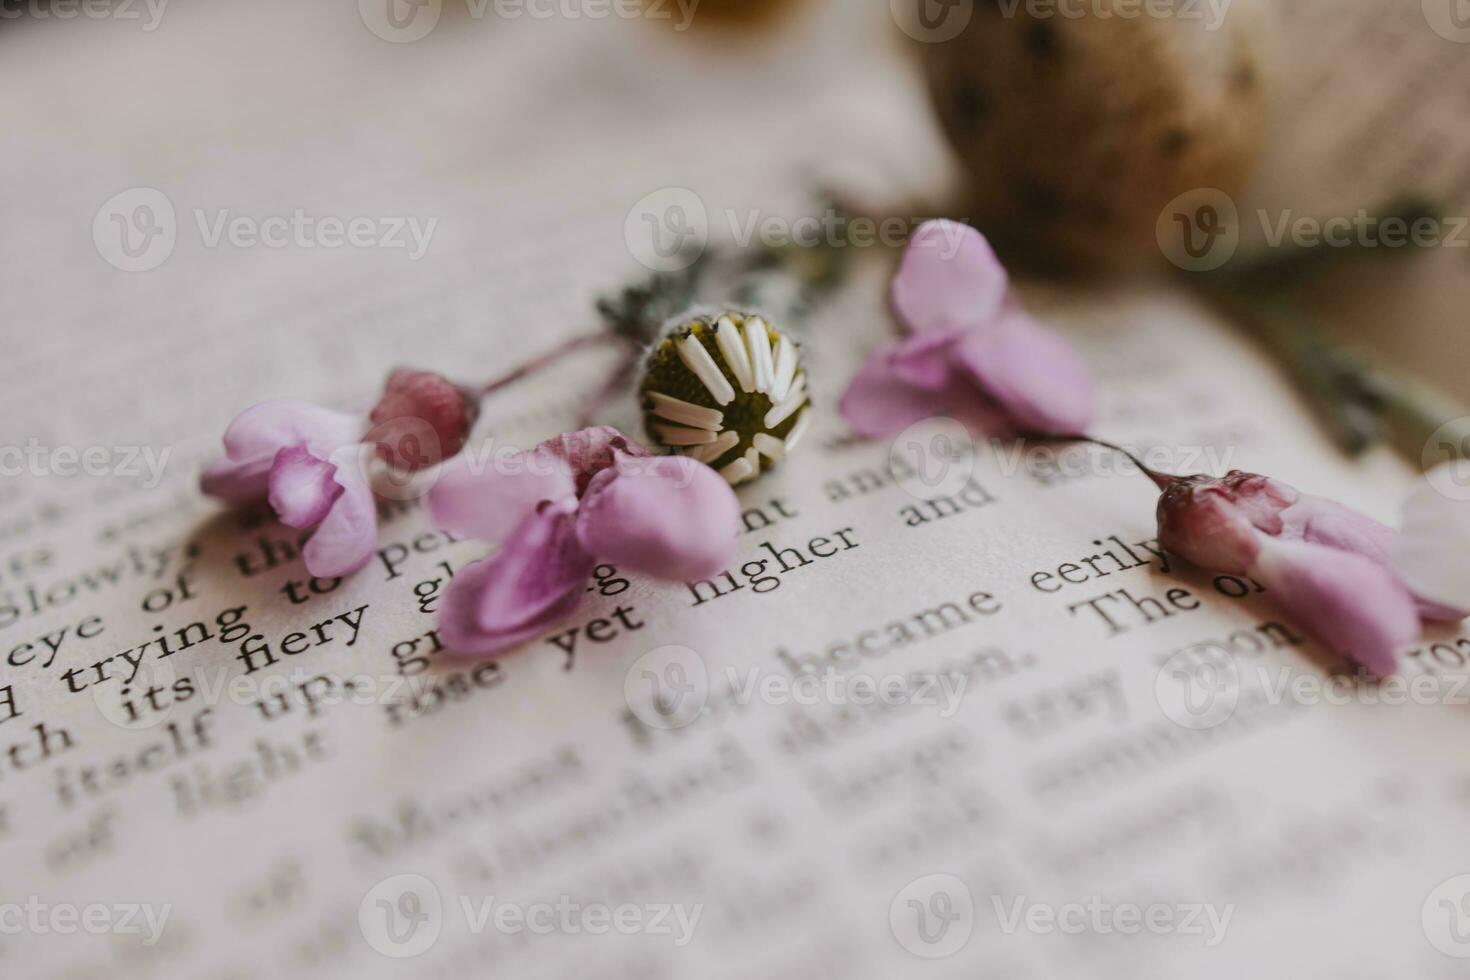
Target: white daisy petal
x,y
713,451
770,447
697,359
733,348
785,410
738,472
673,435
686,413
758,342
798,430
797,389
785,369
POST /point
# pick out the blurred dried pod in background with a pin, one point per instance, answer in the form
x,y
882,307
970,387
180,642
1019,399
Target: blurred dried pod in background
x,y
1078,121
735,13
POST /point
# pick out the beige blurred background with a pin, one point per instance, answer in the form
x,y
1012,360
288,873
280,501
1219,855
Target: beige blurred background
x,y
531,141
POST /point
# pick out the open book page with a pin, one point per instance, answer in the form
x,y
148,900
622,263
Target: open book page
x,y
951,712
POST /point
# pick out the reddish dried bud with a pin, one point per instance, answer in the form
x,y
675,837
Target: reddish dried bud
x,y
1216,523
422,419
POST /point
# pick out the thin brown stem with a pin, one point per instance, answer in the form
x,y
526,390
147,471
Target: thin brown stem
x,y
616,380
1161,480
546,360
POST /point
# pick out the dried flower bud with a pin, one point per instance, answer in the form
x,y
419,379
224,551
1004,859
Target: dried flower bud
x,y
421,419
1216,523
728,391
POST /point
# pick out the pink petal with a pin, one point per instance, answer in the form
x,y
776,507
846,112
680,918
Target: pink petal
x,y
237,483
1355,606
260,432
488,498
1318,520
1036,377
971,407
923,360
949,277
265,429
669,517
539,578
347,537
879,403
302,488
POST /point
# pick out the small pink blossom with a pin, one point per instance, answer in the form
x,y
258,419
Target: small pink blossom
x,y
972,352
1329,565
310,463
557,511
313,464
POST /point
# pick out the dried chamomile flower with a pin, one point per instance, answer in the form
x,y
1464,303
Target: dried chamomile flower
x,y
727,390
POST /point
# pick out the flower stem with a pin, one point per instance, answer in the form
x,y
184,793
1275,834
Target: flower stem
x,y
618,378
544,361
1161,480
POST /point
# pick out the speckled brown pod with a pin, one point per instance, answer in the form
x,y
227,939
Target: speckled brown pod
x,y
1077,131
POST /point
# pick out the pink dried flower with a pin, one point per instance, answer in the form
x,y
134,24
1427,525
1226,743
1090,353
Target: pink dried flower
x,y
1329,565
313,464
310,463
557,510
972,351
